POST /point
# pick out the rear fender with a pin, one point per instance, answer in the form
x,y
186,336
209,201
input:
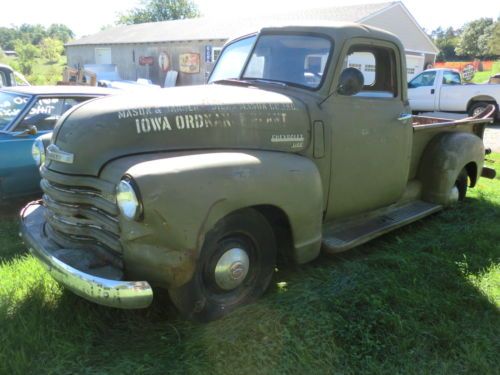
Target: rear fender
x,y
442,161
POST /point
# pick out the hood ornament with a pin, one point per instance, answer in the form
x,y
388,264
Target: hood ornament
x,y
56,154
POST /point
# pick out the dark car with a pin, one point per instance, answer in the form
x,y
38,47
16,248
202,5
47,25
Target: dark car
x,y
25,113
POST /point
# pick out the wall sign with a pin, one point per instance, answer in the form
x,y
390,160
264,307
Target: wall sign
x,y
146,60
164,61
189,63
208,53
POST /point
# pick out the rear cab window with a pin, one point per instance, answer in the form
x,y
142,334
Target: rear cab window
x,y
451,78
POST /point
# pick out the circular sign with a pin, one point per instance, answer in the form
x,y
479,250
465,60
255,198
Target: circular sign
x,y
163,61
468,72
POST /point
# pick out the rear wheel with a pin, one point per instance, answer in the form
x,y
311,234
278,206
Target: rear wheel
x,y
235,267
476,108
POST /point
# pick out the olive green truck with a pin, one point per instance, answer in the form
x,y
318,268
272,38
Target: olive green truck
x,y
290,149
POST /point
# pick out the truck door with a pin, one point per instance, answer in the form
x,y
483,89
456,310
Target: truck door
x,y
371,143
422,91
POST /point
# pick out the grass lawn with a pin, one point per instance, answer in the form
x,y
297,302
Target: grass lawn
x,y
424,299
480,77
44,72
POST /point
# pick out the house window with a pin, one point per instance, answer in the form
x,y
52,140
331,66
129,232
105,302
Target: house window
x,y
369,68
216,53
410,71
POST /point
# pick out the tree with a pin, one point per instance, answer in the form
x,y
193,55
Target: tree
x,y
446,41
159,10
26,54
475,38
51,49
494,42
60,32
7,38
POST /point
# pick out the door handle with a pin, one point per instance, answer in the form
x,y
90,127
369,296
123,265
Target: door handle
x,y
405,116
433,91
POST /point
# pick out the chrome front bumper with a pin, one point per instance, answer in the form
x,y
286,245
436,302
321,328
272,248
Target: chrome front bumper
x,y
111,292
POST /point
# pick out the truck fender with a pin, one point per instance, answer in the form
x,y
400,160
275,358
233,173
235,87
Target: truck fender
x,y
184,196
443,159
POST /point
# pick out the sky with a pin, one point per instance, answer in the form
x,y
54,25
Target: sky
x,y
89,16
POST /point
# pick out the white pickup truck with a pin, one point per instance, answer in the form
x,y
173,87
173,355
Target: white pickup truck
x,y
443,90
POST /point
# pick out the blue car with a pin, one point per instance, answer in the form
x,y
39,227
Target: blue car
x,y
27,112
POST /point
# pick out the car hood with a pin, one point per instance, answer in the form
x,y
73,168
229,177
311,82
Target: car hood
x,y
181,118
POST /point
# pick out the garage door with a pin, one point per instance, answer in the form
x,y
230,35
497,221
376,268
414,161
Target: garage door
x,y
414,65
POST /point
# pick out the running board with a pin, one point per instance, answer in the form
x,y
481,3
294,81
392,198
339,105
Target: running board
x,y
342,237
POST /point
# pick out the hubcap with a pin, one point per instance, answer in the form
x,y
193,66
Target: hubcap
x,y
478,111
232,268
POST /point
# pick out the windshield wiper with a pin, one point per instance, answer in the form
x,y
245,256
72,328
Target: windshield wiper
x,y
232,81
260,80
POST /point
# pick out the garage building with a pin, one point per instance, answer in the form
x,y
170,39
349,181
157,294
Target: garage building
x,y
191,46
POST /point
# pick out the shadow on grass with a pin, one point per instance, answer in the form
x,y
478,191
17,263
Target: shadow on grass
x,y
10,242
405,303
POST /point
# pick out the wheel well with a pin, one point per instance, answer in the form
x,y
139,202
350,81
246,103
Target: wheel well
x,y
477,99
280,225
471,169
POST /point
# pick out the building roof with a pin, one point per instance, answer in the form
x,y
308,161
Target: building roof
x,y
206,28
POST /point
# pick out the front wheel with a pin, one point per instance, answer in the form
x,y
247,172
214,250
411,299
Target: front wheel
x,y
234,268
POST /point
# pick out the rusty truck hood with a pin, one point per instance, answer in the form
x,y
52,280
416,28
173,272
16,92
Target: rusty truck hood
x,y
181,118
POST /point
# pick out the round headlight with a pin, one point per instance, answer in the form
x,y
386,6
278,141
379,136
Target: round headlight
x,y
127,200
38,152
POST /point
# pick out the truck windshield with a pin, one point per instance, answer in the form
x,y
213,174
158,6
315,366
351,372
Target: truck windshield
x,y
231,61
11,104
288,58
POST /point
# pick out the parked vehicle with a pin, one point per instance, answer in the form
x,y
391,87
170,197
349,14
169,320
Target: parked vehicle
x,y
9,77
194,189
442,90
25,113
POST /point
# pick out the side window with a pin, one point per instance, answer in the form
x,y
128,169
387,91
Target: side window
x,y
3,81
423,80
451,78
71,102
379,69
43,114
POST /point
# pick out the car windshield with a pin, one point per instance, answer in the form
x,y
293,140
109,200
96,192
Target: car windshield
x,y
291,59
232,60
11,104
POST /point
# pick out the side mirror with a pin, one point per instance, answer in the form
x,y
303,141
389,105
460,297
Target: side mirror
x,y
351,82
32,130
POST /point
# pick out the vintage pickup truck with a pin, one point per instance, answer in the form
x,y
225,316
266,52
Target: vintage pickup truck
x,y
198,189
442,90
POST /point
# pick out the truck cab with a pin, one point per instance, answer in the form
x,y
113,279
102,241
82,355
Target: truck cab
x,y
289,149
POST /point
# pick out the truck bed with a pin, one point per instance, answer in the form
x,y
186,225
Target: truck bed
x,y
421,123
425,128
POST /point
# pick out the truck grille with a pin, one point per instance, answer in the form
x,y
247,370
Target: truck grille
x,y
82,214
